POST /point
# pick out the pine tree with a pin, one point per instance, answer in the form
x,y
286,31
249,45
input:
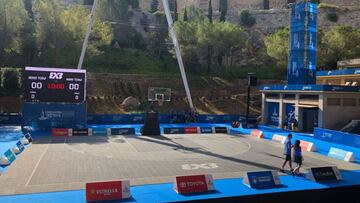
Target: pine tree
x,y
210,12
185,15
175,11
223,10
154,6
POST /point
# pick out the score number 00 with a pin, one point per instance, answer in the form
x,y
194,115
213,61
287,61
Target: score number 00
x,y
38,85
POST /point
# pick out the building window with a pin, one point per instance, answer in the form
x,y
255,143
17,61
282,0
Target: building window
x,y
333,101
349,102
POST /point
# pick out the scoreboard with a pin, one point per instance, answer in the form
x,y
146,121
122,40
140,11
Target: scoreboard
x,y
54,85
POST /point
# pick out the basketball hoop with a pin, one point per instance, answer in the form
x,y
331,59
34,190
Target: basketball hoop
x,y
159,95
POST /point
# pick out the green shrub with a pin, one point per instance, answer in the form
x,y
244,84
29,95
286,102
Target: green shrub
x,y
333,17
246,19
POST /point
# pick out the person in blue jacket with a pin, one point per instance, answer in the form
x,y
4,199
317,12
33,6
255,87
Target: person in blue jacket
x,y
298,158
287,153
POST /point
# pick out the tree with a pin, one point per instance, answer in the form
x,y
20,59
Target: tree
x,y
277,47
157,36
154,6
173,9
246,19
12,20
229,40
210,12
176,15
223,7
11,82
60,32
339,43
185,15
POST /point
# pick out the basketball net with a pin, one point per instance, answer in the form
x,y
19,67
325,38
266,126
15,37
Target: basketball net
x,y
160,102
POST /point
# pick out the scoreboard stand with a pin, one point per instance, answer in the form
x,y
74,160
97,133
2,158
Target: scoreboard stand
x,y
54,97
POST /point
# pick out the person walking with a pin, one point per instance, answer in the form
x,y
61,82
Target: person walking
x,y
298,158
287,153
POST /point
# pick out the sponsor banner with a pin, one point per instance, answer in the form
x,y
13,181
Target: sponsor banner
x,y
320,174
257,133
10,155
99,131
262,179
174,130
220,130
191,130
60,132
102,191
122,131
193,184
206,130
80,132
341,154
20,146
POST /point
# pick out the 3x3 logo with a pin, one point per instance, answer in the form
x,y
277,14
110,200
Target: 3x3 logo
x,y
56,76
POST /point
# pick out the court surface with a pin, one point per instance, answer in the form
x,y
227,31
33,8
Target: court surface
x,y
67,163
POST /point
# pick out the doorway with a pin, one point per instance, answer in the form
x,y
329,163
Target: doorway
x,y
310,119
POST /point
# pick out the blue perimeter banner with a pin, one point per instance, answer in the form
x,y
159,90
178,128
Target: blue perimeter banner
x,y
163,118
44,116
337,137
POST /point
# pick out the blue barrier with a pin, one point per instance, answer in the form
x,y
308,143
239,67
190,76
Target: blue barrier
x,y
337,137
20,146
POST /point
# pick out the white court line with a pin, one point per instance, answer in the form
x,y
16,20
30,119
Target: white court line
x,y
36,166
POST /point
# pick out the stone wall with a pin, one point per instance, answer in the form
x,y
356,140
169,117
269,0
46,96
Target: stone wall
x,y
268,21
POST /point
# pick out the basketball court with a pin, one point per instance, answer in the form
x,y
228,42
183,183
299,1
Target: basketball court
x,y
67,163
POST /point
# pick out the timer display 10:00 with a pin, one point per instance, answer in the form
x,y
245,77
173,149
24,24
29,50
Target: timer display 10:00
x,y
58,86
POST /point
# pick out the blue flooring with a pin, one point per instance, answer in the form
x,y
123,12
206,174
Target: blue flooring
x,y
165,192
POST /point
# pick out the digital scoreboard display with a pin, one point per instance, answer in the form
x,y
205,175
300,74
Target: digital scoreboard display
x,y
54,85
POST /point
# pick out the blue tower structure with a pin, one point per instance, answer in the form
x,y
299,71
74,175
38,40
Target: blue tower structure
x,y
303,30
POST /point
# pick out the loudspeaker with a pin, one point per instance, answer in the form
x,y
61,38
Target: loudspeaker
x,y
252,80
152,124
